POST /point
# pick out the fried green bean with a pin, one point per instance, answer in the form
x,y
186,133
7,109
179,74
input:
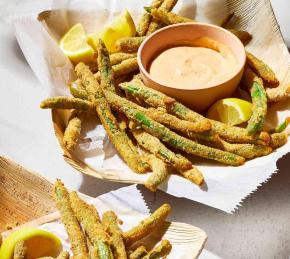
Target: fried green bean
x,y
124,68
116,58
278,140
65,102
106,72
244,36
259,100
129,44
20,250
73,130
132,111
175,123
158,99
167,17
63,255
224,22
160,251
281,127
107,76
77,90
248,151
160,172
154,146
118,137
182,164
139,253
193,175
143,25
149,95
262,69
167,6
110,222
147,226
93,251
76,236
88,216
280,93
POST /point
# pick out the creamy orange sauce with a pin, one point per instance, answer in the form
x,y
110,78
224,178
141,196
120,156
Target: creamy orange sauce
x,y
189,67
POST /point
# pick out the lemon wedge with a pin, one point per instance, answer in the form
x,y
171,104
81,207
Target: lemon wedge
x,y
232,111
39,243
122,26
74,45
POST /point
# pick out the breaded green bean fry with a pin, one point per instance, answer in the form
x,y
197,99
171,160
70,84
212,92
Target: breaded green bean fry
x,y
182,164
118,137
280,93
88,216
129,44
143,25
65,102
106,72
63,255
278,140
247,151
244,36
20,250
262,69
281,127
73,130
226,20
147,226
154,146
158,99
139,253
77,90
160,172
76,236
175,123
169,137
165,17
110,222
259,100
167,6
118,57
124,68
160,251
193,175
93,252
149,95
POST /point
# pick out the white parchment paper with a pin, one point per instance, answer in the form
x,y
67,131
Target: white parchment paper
x,y
131,214
225,186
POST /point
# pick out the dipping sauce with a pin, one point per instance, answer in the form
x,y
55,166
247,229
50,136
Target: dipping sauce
x,y
190,67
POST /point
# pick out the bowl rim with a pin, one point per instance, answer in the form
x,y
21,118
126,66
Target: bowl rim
x,y
144,70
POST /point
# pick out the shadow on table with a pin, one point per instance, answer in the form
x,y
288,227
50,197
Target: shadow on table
x,y
259,229
94,187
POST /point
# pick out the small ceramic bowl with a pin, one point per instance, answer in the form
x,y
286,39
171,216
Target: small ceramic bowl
x,y
197,99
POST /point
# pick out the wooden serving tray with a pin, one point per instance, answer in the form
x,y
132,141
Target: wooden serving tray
x,y
26,201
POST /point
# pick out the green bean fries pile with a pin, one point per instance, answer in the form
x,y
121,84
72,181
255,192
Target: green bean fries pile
x,y
152,131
